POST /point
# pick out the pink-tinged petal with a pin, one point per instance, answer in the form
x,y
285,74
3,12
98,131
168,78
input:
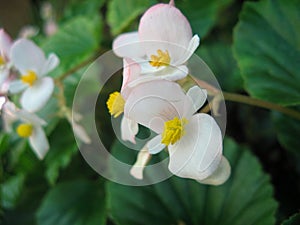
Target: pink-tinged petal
x,y
35,97
141,162
9,115
164,27
5,44
220,175
49,64
4,72
80,133
198,153
127,45
39,142
131,71
155,146
193,45
198,97
26,55
152,103
129,129
17,86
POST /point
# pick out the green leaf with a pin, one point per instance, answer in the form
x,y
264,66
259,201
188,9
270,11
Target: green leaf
x,y
202,14
267,48
75,41
121,14
219,58
61,151
293,220
287,131
11,191
78,202
246,198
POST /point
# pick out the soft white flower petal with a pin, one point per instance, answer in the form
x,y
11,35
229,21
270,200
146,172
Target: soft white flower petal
x,y
164,27
138,167
9,115
5,44
26,55
129,128
29,118
220,175
152,103
131,71
35,97
80,133
198,96
173,74
198,153
155,146
39,142
49,64
193,45
128,45
17,86
4,72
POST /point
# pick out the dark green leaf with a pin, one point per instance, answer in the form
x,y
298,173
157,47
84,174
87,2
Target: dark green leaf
x,y
78,202
246,198
267,48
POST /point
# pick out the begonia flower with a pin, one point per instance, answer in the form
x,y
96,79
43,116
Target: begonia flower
x,y
194,140
5,45
163,43
30,126
116,101
33,66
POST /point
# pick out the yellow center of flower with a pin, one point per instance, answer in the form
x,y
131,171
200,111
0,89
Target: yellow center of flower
x,y
24,130
173,130
2,61
115,104
161,59
29,78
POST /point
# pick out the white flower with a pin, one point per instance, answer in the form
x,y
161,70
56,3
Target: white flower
x,y
5,45
30,127
163,43
194,140
31,62
116,101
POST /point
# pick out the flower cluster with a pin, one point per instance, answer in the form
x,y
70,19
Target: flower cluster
x,y
155,58
23,73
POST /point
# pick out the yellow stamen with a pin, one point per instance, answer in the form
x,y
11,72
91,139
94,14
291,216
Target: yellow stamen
x,y
24,130
115,104
173,130
29,78
2,60
161,59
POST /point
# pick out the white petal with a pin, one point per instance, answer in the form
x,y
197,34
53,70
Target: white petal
x,y
50,64
164,27
4,72
35,97
155,146
174,73
26,55
193,45
138,167
152,103
5,43
39,142
131,71
198,96
129,129
220,175
17,86
198,153
29,117
80,133
9,115
127,45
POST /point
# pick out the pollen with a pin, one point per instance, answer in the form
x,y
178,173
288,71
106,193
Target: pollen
x,y
29,78
2,61
173,130
161,59
115,104
24,130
